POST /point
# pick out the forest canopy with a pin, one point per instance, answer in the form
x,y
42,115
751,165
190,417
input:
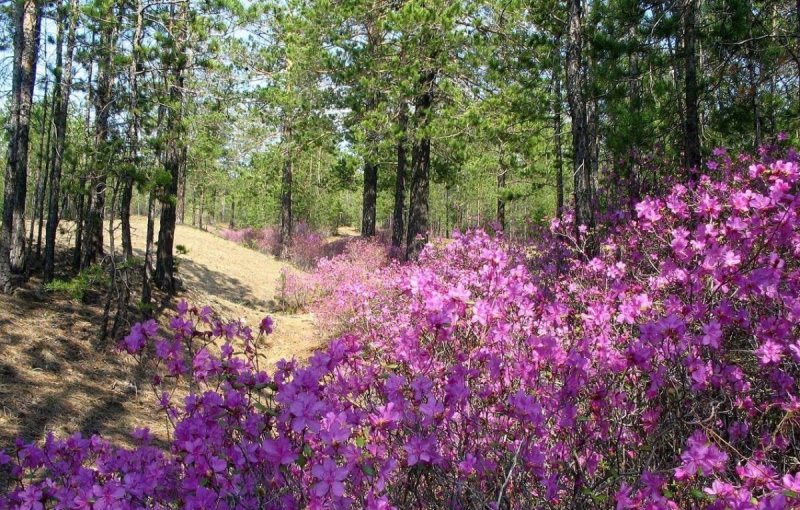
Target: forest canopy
x,y
411,117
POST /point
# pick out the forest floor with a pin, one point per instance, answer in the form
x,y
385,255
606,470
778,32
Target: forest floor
x,y
55,377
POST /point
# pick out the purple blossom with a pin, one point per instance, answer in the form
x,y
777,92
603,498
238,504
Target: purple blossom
x,y
420,450
770,352
483,354
700,457
330,479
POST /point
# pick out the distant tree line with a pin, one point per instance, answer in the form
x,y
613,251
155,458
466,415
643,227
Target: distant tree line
x,y
417,116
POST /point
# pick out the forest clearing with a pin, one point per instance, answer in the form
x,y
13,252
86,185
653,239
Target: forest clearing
x,y
66,383
400,255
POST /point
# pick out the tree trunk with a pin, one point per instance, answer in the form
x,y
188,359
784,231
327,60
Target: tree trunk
x,y
93,230
111,218
592,126
200,210
692,124
501,202
133,131
27,20
125,216
61,94
582,187
42,171
369,199
420,172
165,261
173,158
398,226
147,271
286,189
181,198
212,217
559,163
80,221
447,207
41,192
632,178
752,75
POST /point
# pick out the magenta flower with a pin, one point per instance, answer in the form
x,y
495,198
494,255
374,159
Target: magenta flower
x,y
700,458
305,409
769,352
108,496
203,365
266,325
420,449
792,483
330,478
712,335
31,499
278,451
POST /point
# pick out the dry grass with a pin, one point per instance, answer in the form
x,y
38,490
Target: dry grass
x,y
54,376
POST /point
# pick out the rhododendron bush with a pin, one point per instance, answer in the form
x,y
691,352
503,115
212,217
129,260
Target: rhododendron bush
x,y
659,373
339,285
306,248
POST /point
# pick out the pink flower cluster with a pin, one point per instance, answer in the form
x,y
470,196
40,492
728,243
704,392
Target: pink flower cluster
x,y
658,372
339,283
308,245
265,239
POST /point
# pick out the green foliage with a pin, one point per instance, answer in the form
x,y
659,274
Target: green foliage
x,y
91,278
323,84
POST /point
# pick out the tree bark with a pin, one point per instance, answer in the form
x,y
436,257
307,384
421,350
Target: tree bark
x,y
61,94
632,178
133,130
147,270
93,230
82,204
27,20
369,199
80,222
111,218
420,172
398,226
557,114
200,210
286,189
165,260
181,199
42,170
754,85
581,162
173,159
692,159
501,202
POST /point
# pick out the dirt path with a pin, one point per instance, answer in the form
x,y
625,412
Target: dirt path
x,y
238,283
54,377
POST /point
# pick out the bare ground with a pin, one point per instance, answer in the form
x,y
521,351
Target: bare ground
x,y
55,377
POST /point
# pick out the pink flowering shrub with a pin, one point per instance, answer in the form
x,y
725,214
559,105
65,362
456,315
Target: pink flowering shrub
x,y
237,236
265,239
338,286
307,246
659,372
294,291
